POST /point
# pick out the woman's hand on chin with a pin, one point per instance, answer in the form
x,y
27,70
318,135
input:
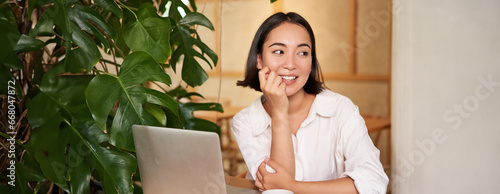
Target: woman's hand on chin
x,y
273,88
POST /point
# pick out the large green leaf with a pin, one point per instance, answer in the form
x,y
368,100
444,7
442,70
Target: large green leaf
x,y
181,92
12,61
45,25
114,168
157,112
78,26
79,179
102,96
174,9
111,6
9,34
27,170
105,90
67,157
195,18
49,143
149,33
23,175
117,27
59,99
194,123
206,50
59,95
85,55
91,22
139,67
66,141
192,72
27,43
6,80
187,120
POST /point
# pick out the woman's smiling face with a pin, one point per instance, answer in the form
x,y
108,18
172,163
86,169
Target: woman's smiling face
x,y
287,51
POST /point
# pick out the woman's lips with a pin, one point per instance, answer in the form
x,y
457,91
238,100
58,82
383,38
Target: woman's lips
x,y
288,79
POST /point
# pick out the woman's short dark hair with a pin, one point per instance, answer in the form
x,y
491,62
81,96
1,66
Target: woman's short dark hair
x,y
314,84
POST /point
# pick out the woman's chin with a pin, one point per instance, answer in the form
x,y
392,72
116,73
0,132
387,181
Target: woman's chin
x,y
291,91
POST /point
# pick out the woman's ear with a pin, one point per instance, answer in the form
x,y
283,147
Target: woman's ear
x,y
259,61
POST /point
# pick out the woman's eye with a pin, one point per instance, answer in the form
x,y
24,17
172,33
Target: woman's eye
x,y
303,53
278,52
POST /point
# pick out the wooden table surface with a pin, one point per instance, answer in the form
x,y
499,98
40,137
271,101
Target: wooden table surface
x,y
241,182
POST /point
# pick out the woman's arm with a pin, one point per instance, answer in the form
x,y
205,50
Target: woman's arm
x,y
281,142
283,180
342,185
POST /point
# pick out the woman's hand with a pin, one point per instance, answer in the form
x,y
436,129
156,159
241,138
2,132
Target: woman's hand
x,y
281,179
274,90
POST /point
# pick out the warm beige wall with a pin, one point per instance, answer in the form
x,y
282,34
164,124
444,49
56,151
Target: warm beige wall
x,y
364,78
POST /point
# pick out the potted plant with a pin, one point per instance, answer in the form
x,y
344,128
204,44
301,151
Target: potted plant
x,y
67,111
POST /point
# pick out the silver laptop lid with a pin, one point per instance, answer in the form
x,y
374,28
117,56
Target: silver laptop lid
x,y
178,160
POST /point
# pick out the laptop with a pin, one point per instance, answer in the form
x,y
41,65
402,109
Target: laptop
x,y
181,161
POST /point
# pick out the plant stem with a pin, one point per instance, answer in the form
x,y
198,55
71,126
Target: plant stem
x,y
108,38
111,62
114,60
126,7
7,137
160,87
101,71
103,66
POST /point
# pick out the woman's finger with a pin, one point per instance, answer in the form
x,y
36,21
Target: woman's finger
x,y
277,81
262,168
258,184
270,78
259,176
262,76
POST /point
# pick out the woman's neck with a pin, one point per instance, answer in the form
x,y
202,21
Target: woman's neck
x,y
298,101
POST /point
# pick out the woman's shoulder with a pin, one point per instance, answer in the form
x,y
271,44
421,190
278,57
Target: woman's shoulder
x,y
334,101
247,112
253,117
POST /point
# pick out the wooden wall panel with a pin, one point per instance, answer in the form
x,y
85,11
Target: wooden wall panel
x,y
370,97
373,37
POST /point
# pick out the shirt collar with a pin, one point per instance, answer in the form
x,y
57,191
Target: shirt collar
x,y
323,104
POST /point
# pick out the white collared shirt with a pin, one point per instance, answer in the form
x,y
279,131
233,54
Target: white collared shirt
x,y
331,143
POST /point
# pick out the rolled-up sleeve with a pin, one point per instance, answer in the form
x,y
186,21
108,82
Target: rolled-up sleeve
x,y
254,149
362,158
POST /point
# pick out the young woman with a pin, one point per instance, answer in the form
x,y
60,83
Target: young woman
x,y
300,136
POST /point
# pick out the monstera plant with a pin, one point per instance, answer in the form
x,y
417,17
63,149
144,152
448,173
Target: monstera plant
x,y
67,110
